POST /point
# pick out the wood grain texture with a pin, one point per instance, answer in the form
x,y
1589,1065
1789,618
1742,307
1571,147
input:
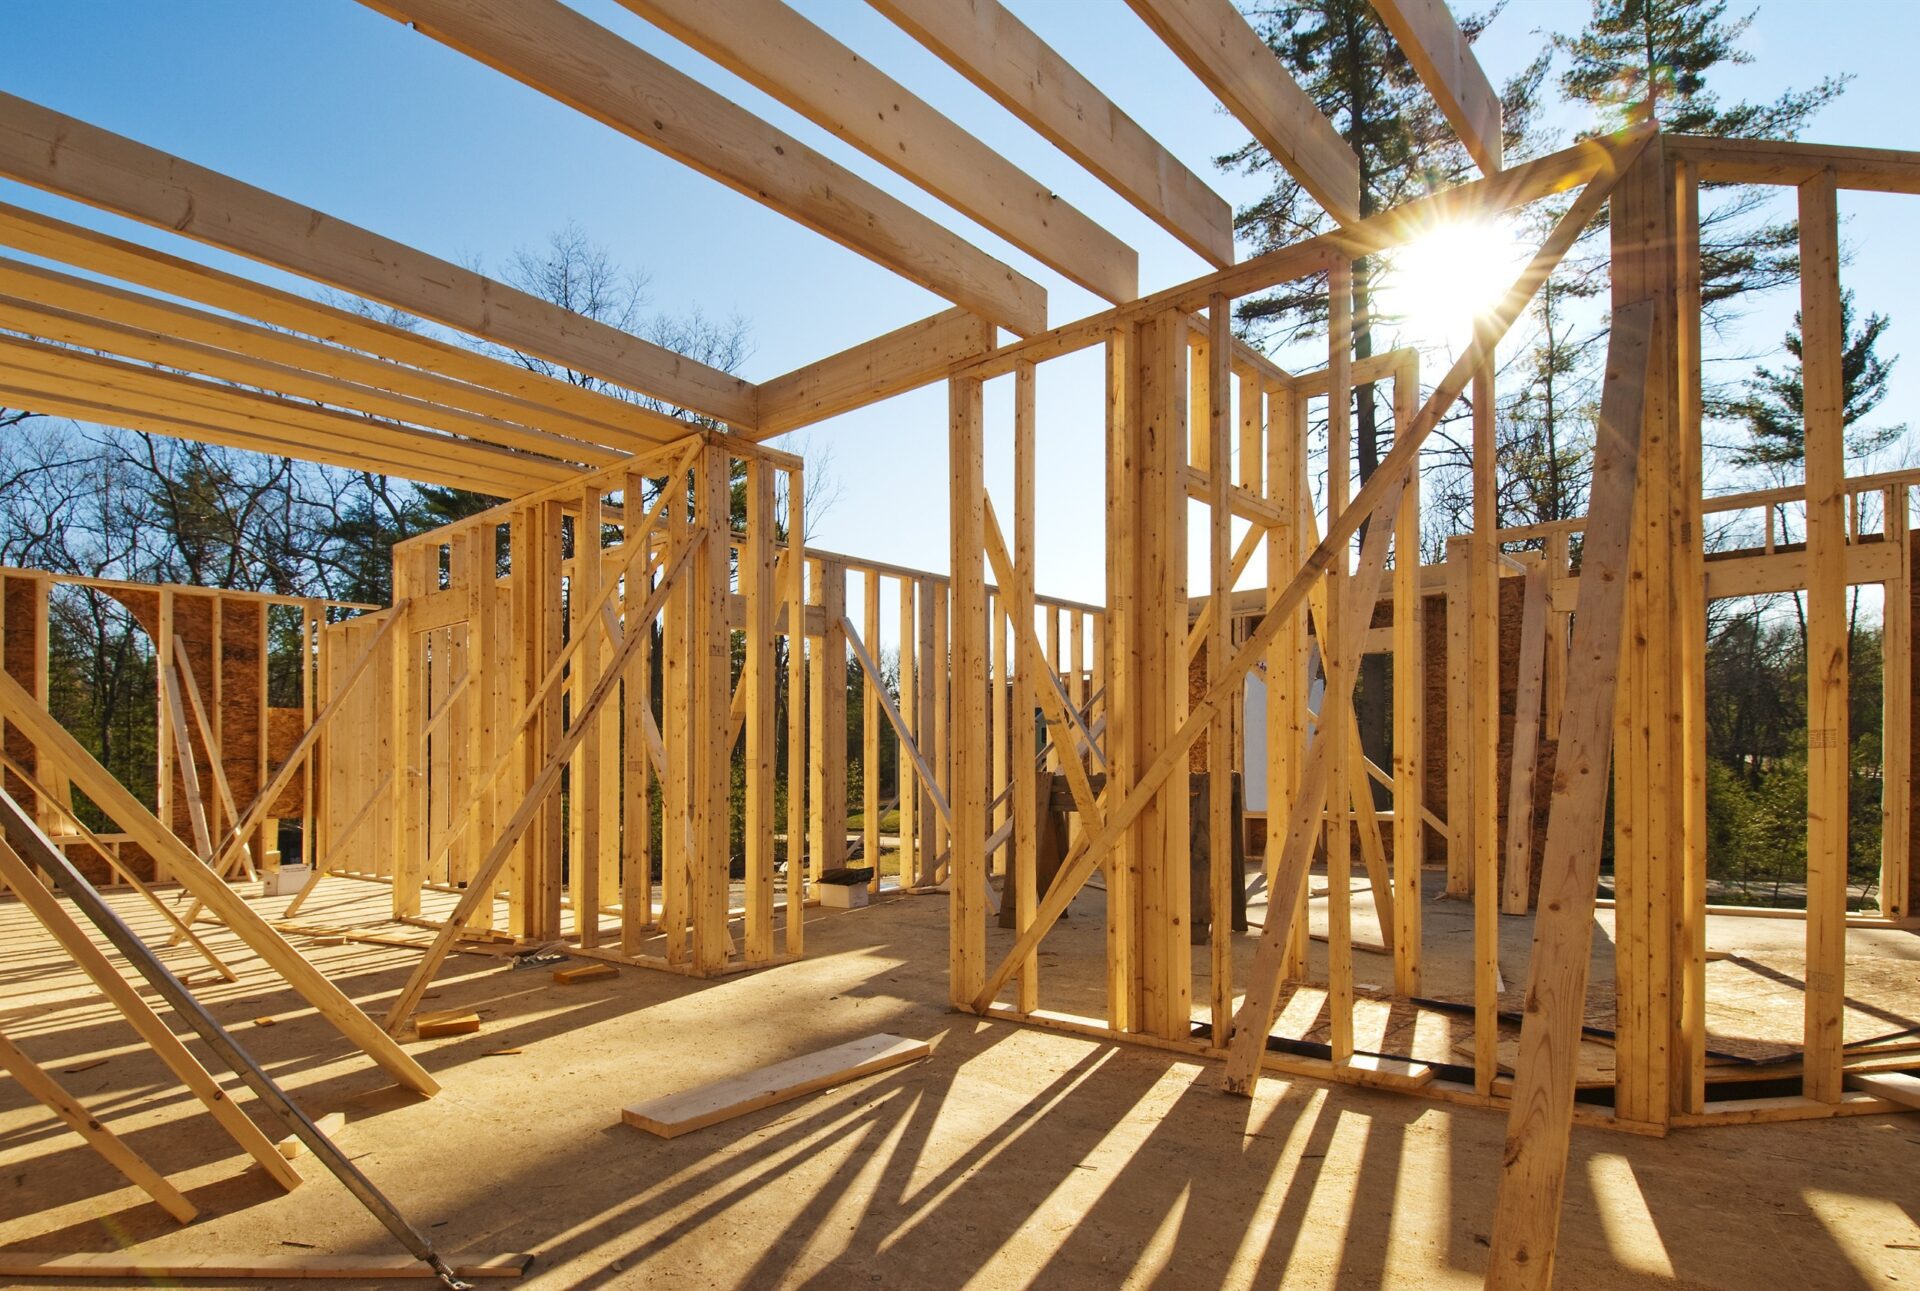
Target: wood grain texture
x,y
695,1109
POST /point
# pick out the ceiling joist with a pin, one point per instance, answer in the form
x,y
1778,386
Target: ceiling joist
x,y
170,344
169,404
770,46
555,50
1004,58
422,365
888,365
1439,52
50,151
1230,59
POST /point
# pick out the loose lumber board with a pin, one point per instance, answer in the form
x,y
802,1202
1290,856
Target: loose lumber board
x,y
430,1026
695,1109
125,1267
584,973
331,1124
1893,1086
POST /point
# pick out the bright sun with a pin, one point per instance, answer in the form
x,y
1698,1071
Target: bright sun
x,y
1443,280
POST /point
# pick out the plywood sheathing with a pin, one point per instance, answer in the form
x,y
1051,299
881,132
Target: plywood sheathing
x,y
237,714
20,654
1511,593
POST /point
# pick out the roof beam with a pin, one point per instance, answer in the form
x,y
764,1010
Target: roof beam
x,y
1438,50
555,50
173,337
485,384
1023,74
888,365
300,428
769,45
1229,57
50,397
78,395
61,155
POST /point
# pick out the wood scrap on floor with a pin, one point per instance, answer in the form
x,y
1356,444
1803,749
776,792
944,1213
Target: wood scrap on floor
x,y
1895,1087
431,1026
331,1124
706,1105
584,973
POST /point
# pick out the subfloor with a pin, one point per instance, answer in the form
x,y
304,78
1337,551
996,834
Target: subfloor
x,y
1012,1157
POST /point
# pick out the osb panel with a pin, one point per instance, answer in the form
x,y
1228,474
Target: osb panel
x,y
242,683
236,714
1512,593
1236,715
285,726
20,603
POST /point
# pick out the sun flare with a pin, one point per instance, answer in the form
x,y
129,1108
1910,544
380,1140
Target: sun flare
x,y
1442,281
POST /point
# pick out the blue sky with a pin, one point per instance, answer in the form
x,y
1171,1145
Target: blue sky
x,y
331,104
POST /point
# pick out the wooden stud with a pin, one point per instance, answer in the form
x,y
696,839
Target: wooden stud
x,y
968,870
1827,736
1533,1166
1409,705
1516,881
1026,804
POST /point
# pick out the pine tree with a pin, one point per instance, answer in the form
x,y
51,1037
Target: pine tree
x,y
1659,55
1774,405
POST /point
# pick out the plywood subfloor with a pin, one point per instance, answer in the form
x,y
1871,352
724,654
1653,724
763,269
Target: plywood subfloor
x,y
1009,1158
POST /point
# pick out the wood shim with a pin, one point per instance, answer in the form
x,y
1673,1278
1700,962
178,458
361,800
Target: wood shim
x,y
331,1124
695,1109
126,1267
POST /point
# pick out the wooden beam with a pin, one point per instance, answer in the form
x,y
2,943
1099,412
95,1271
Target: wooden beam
x,y
133,326
80,948
1762,161
55,152
271,1269
1534,1163
62,373
1827,633
43,1087
1602,158
92,779
903,359
548,46
1001,55
1438,49
1230,59
61,397
772,47
467,378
